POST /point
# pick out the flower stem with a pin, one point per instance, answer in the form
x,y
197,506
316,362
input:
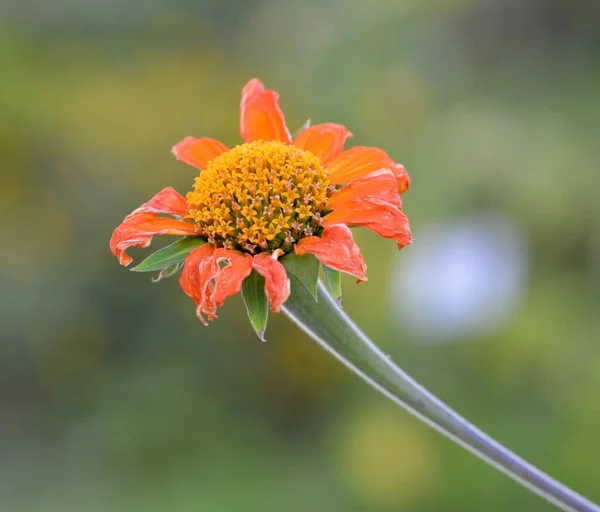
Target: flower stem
x,y
331,328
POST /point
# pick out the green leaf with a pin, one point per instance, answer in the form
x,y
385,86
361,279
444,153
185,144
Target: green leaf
x,y
305,268
333,280
174,253
257,305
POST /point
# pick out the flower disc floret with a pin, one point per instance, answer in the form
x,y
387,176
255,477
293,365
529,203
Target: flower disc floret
x,y
260,196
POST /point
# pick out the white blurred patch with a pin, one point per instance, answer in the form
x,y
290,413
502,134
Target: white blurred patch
x,y
460,279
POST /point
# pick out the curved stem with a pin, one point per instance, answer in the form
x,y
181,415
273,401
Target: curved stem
x,y
327,323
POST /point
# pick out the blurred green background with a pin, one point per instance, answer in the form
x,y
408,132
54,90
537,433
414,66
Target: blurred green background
x,y
114,397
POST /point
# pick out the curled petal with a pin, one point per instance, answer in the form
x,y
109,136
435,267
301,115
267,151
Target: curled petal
x,y
167,201
198,152
208,283
378,185
277,284
229,279
336,249
138,229
199,269
383,218
323,140
360,160
260,115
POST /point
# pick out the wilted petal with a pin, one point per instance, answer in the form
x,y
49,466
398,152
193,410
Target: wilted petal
x,y
336,249
378,186
229,279
138,229
168,201
260,115
198,152
277,284
383,218
196,278
360,160
323,140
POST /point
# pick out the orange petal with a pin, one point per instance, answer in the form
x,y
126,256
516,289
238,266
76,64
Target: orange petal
x,y
198,152
199,270
383,218
229,279
336,249
260,115
167,201
361,160
323,140
378,185
277,284
138,229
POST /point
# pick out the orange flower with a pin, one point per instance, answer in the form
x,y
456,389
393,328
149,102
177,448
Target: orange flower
x,y
270,196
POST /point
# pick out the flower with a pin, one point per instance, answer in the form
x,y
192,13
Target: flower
x,y
270,196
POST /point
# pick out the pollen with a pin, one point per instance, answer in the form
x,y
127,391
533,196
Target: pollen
x,y
260,196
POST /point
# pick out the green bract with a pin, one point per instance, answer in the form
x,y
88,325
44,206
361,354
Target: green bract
x,y
305,268
171,254
333,281
257,305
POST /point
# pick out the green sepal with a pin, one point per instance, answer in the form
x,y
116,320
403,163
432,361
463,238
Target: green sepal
x,y
305,268
257,305
302,128
333,281
168,271
171,254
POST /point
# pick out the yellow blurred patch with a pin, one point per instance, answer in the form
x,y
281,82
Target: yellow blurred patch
x,y
384,456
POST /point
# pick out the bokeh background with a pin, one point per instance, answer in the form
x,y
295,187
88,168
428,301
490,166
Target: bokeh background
x,y
114,397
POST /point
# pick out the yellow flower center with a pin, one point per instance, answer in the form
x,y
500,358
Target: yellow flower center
x,y
260,196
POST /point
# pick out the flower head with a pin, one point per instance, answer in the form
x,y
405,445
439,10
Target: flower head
x,y
266,201
260,196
